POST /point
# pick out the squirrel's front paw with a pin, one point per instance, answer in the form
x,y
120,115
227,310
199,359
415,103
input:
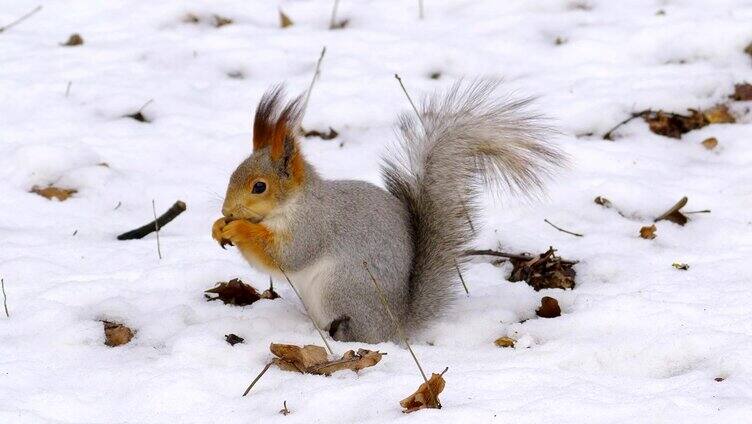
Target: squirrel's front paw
x,y
217,229
236,232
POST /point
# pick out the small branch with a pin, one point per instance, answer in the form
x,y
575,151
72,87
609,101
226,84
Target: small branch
x,y
396,323
67,88
148,102
404,90
253,383
141,232
607,136
490,252
333,19
313,80
680,204
561,229
156,229
21,19
5,298
329,348
462,280
702,211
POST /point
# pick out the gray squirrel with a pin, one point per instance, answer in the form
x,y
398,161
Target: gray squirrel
x,y
282,215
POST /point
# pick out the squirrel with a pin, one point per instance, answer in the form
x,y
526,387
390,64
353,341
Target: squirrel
x,y
287,220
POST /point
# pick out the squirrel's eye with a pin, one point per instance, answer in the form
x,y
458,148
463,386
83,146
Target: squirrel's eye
x,y
258,187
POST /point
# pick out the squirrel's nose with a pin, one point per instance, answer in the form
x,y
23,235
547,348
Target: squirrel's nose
x,y
226,213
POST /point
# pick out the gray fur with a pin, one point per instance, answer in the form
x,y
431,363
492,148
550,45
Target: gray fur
x,y
412,235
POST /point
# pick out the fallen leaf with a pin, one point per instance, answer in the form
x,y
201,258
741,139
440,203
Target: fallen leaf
x,y
191,18
51,191
719,379
220,21
427,395
545,271
339,25
350,361
719,114
673,124
505,342
312,359
549,308
602,201
284,20
138,116
322,135
680,266
710,143
116,334
742,92
236,292
648,232
435,75
233,339
284,410
674,214
73,40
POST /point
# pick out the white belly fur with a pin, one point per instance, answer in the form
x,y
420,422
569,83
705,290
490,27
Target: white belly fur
x,y
311,283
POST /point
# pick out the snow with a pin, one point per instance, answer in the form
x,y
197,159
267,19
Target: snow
x,y
638,341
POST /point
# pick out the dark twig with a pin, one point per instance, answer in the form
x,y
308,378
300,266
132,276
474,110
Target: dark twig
x,y
67,88
5,298
607,136
253,383
21,19
490,252
156,229
404,90
462,280
141,232
680,204
314,79
397,325
329,348
333,19
702,211
561,229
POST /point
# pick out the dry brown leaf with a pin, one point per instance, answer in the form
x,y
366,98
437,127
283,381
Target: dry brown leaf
x,y
505,342
220,21
710,143
602,201
116,334
680,266
719,114
648,232
674,214
427,395
236,292
233,339
673,124
51,191
545,271
549,308
742,92
312,359
73,40
284,20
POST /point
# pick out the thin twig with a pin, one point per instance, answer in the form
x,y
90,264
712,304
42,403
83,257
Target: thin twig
x,y
313,80
462,280
561,229
680,204
21,19
5,298
490,252
141,232
253,383
702,211
156,228
271,284
148,102
329,348
420,9
333,19
404,90
397,325
607,136
67,88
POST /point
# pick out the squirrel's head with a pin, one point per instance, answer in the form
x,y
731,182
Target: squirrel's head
x,y
275,170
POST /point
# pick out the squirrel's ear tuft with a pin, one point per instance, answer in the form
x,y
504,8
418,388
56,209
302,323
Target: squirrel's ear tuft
x,y
274,125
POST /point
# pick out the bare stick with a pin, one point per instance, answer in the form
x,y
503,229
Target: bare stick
x,y
329,348
607,136
141,232
67,88
21,19
5,298
148,102
462,280
382,296
680,204
313,80
253,383
156,228
489,252
271,284
702,211
561,229
333,19
404,90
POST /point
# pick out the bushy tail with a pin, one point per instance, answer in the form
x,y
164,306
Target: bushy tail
x,y
464,140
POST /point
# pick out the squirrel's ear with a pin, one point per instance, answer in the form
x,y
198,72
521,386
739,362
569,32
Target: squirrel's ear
x,y
273,127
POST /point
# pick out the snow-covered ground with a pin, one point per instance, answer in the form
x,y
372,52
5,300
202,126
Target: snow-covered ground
x,y
638,341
